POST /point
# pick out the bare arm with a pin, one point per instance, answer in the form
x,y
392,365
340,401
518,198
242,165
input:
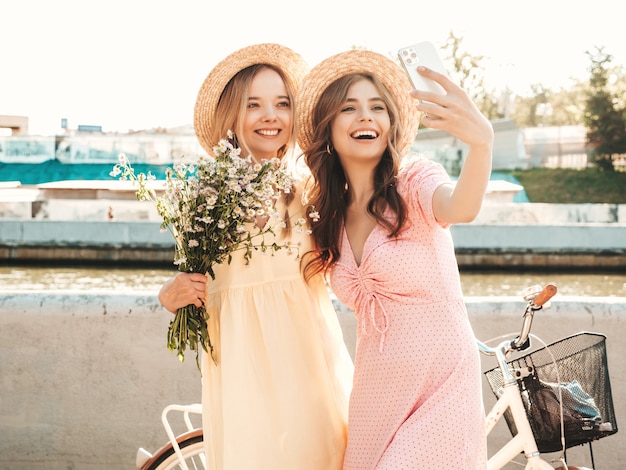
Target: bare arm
x,y
182,290
457,114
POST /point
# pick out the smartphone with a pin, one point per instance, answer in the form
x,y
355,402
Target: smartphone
x,y
426,54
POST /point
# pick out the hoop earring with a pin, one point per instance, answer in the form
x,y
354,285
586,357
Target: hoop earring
x,y
328,149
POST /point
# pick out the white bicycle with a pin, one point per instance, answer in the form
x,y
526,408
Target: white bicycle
x,y
182,451
552,399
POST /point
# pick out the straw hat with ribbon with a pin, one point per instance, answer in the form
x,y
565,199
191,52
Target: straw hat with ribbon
x,y
289,62
390,74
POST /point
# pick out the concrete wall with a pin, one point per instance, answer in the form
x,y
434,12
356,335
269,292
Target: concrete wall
x,y
502,246
103,221
84,376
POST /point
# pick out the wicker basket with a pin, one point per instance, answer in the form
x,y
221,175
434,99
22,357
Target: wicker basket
x,y
579,364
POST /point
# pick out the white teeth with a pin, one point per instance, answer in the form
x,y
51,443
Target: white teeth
x,y
267,132
368,134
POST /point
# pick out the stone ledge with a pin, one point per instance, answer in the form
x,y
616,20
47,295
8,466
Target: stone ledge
x,y
510,260
501,246
160,256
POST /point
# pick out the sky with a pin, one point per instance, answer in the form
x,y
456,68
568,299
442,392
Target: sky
x,y
138,64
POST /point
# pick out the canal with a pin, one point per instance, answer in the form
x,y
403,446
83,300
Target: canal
x,y
475,283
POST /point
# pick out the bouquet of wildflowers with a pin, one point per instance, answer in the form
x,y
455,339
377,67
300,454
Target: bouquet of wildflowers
x,y
205,206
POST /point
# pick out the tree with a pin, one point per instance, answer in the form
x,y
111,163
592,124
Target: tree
x,y
566,105
533,110
550,107
604,119
468,71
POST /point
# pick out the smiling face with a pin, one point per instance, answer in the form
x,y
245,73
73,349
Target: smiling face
x,y
360,130
267,124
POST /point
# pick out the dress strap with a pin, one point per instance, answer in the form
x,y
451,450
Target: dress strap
x,y
372,303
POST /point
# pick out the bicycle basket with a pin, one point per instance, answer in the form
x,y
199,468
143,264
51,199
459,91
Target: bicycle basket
x,y
579,364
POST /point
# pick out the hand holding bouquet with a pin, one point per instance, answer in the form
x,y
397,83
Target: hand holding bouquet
x,y
205,206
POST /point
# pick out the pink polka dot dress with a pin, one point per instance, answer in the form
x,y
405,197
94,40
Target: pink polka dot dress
x,y
416,400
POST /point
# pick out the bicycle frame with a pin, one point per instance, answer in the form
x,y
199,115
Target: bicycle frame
x,y
524,440
186,410
510,398
144,457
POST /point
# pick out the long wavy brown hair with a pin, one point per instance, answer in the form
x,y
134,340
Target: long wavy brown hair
x,y
328,194
232,107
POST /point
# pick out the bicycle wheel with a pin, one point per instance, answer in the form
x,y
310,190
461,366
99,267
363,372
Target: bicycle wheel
x,y
192,448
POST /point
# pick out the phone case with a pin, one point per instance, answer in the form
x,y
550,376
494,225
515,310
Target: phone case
x,y
423,53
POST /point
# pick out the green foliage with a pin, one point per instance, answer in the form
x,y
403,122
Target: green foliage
x,y
604,120
562,106
468,71
547,107
599,103
571,186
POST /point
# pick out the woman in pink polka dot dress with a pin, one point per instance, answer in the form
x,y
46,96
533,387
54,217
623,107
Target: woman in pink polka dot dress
x,y
383,236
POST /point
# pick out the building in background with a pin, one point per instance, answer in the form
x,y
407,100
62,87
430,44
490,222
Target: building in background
x,y
514,148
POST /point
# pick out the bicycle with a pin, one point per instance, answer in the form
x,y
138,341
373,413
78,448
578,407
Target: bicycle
x,y
183,451
543,417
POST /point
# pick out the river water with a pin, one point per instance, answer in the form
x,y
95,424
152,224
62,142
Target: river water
x,y
31,278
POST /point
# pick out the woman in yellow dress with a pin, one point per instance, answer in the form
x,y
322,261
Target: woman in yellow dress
x,y
276,396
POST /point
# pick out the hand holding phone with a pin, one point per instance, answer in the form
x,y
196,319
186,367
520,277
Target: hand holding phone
x,y
423,53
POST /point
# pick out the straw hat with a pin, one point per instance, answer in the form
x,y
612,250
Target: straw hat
x,y
357,61
289,62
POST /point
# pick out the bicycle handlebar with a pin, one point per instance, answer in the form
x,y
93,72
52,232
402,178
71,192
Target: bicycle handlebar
x,y
535,302
537,298
546,294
